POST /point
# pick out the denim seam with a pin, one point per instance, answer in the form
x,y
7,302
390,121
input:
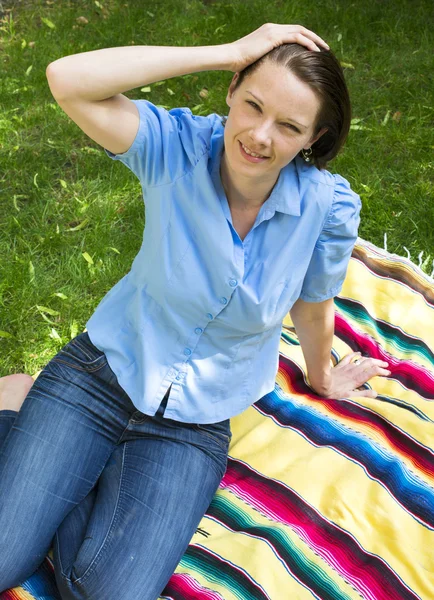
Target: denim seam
x,y
85,351
115,518
202,427
75,342
140,421
79,368
57,537
62,571
8,413
224,446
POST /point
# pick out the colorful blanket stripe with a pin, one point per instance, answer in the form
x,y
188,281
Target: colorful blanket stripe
x,y
326,499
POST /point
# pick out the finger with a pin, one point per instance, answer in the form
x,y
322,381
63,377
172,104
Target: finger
x,y
384,372
348,357
375,361
373,370
367,360
305,41
382,363
314,36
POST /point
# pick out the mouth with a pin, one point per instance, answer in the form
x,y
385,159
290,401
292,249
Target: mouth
x,y
254,159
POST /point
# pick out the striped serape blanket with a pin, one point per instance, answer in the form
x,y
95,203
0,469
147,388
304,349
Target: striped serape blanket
x,y
326,499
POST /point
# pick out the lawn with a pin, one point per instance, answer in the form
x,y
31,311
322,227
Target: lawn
x,y
71,220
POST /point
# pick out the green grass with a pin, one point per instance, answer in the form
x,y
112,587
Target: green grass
x,y
71,220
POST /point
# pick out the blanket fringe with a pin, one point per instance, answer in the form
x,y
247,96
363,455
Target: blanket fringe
x,y
421,264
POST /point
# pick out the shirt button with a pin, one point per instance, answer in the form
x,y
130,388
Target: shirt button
x,y
233,282
224,300
178,377
198,330
187,351
209,315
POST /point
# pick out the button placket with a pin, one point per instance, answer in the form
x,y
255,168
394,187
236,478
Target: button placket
x,y
239,259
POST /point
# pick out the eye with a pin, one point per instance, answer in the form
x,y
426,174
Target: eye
x,y
293,127
253,104
288,125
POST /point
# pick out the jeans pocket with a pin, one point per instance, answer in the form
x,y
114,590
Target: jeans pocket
x,y
81,354
219,432
138,418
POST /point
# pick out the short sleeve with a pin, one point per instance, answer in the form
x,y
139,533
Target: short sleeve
x,y
168,143
329,263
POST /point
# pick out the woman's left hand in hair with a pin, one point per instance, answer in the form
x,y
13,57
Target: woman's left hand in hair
x,y
346,377
251,47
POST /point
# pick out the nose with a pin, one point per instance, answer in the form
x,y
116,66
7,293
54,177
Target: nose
x,y
260,137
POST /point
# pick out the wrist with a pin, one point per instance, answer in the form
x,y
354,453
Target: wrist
x,y
228,57
320,381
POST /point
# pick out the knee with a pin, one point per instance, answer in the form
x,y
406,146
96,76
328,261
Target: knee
x,y
17,567
13,390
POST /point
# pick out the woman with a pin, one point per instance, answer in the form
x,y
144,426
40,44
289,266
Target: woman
x,y
121,442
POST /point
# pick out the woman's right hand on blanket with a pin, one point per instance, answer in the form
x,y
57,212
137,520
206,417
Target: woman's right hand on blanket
x,y
348,377
270,35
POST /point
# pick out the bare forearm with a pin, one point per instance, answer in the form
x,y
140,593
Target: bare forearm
x,y
101,74
316,339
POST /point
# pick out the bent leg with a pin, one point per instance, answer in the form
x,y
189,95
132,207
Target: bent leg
x,y
53,454
7,418
152,495
13,391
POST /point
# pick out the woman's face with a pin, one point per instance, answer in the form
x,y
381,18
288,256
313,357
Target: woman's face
x,y
277,128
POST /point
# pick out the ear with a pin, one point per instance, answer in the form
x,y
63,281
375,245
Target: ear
x,y
313,140
231,88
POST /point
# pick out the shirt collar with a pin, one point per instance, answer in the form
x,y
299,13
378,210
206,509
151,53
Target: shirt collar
x,y
285,196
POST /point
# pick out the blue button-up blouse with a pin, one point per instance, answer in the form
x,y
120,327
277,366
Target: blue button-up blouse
x,y
200,309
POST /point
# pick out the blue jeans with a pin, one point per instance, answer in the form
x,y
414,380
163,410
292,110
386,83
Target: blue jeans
x,y
118,494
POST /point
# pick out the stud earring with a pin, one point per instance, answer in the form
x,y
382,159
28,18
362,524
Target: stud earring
x,y
306,155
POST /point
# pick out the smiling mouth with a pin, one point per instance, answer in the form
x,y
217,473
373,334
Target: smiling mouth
x,y
255,153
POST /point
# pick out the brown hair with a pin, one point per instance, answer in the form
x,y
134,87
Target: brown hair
x,y
322,72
